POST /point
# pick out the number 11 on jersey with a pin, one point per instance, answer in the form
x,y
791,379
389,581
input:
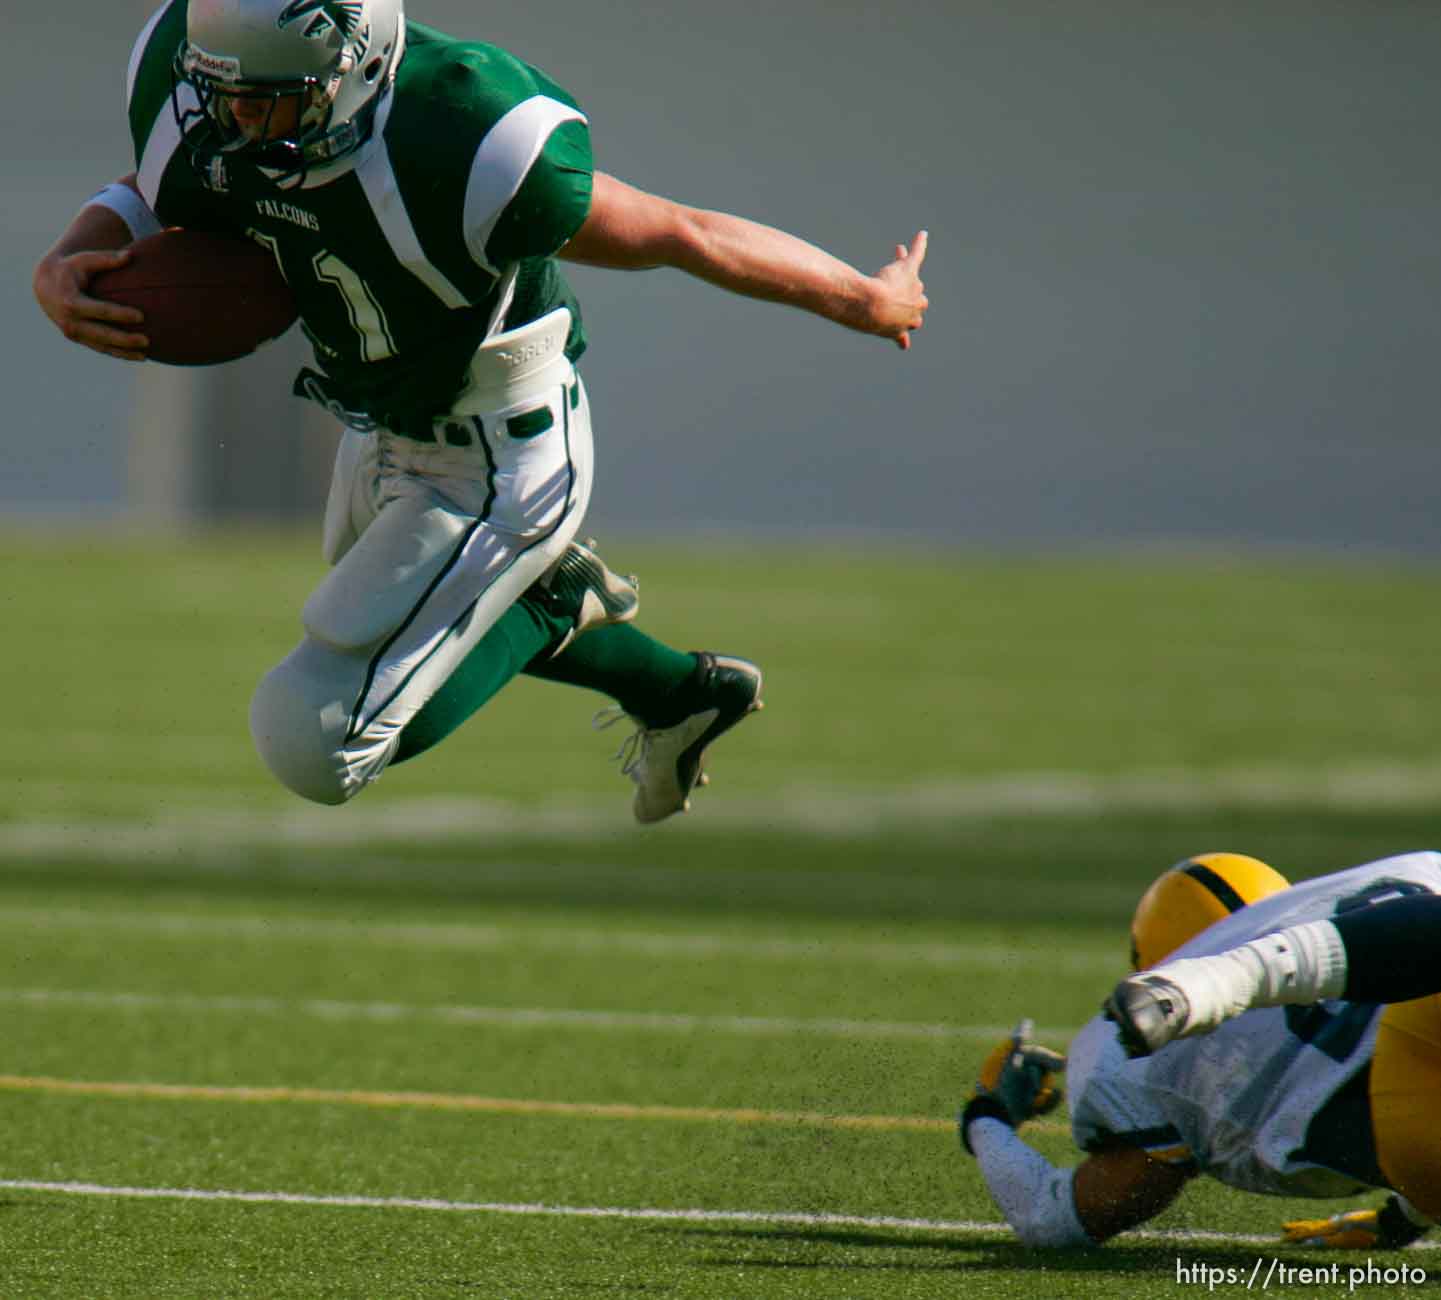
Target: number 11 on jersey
x,y
365,314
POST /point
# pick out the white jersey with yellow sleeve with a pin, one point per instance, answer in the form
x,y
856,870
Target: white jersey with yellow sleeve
x,y
1241,1103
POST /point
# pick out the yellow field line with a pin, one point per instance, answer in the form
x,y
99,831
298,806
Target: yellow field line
x,y
462,1102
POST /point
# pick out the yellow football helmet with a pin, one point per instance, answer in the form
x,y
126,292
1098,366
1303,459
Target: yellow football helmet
x,y
1193,894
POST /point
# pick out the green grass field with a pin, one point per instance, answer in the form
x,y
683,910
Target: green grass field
x,y
478,1035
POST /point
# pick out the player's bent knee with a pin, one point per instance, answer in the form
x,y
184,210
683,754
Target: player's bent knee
x,y
299,727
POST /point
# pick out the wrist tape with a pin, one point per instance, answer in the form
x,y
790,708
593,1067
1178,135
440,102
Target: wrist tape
x,y
126,204
982,1107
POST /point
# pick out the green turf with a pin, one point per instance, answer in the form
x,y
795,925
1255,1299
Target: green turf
x,y
968,769
886,668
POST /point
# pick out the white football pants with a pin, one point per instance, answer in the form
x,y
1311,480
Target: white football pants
x,y
431,542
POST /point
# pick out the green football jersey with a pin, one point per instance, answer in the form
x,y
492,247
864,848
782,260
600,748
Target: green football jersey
x,y
404,255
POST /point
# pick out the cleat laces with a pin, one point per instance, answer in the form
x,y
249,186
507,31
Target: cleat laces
x,y
634,751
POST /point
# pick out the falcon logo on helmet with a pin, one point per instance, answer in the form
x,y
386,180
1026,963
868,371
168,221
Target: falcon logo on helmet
x,y
1192,895
341,16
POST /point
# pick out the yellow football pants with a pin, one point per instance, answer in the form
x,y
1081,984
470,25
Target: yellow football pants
x,y
1406,1101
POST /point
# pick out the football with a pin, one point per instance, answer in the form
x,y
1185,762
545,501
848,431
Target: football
x,y
207,298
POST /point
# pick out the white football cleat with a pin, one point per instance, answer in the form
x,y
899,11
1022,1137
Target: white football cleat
x,y
1193,995
1149,1011
666,762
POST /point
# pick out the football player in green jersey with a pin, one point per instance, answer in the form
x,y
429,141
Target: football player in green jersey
x,y
417,191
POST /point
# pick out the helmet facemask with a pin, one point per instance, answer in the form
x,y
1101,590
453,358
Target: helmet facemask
x,y
335,59
255,140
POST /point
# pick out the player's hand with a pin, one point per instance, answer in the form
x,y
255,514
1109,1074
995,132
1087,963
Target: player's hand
x,y
899,300
61,285
1354,1230
1021,1076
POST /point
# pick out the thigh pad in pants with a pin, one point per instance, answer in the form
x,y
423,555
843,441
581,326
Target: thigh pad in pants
x,y
1405,1094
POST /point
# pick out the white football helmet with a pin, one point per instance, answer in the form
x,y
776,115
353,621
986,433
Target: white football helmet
x,y
338,57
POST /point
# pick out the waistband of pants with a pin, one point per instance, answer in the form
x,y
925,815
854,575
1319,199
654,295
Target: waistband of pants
x,y
507,371
512,367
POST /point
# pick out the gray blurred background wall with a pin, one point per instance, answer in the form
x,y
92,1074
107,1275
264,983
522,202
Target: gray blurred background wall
x,y
1185,274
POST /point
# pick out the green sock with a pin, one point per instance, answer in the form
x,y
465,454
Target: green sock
x,y
635,670
522,633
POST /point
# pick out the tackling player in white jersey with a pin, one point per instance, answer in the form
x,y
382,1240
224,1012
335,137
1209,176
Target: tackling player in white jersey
x,y
1281,1039
417,191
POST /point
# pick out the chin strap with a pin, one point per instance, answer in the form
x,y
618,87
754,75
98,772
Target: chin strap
x,y
331,147
348,136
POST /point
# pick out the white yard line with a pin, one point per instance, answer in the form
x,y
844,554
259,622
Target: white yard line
x,y
778,1218
514,1017
691,946
823,811
496,1207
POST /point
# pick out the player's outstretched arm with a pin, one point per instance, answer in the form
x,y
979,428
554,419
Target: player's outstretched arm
x,y
1107,1193
94,241
628,229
